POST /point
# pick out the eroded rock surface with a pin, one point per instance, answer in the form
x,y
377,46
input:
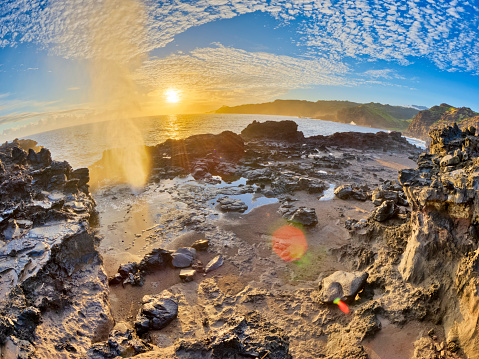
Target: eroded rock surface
x,y
53,289
156,312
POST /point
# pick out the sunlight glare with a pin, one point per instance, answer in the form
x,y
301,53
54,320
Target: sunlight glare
x,y
172,96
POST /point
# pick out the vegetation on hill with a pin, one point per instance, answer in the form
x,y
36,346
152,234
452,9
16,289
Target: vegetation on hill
x,y
440,116
370,114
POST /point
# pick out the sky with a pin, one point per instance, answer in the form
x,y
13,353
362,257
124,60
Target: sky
x,y
64,62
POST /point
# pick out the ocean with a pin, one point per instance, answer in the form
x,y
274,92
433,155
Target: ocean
x,y
83,145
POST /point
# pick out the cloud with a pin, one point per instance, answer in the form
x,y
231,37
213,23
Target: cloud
x,y
387,74
226,74
400,31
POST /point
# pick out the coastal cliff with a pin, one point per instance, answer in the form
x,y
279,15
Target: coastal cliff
x,y
439,116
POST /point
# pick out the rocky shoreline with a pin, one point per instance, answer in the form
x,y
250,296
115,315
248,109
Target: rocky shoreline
x,y
198,265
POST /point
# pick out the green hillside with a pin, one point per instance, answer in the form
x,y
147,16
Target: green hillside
x,y
370,114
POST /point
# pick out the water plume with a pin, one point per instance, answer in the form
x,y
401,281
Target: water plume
x,y
115,32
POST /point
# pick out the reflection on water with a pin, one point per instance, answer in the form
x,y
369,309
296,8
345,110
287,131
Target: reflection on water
x,y
328,194
82,146
172,127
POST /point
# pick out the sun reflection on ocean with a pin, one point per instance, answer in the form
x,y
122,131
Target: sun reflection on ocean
x,y
172,127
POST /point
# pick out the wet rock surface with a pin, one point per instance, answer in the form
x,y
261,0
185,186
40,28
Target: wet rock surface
x,y
245,336
183,257
342,285
122,342
238,272
156,312
231,205
247,301
51,273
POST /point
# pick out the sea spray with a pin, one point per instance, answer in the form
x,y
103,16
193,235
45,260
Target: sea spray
x,y
116,54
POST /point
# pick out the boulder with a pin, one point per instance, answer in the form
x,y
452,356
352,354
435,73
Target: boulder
x,y
385,211
351,191
183,257
273,130
154,260
156,312
228,204
304,216
343,285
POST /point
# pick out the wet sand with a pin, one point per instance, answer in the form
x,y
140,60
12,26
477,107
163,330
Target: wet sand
x,y
132,224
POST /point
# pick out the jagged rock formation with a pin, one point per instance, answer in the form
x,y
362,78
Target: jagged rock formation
x,y
443,193
53,291
201,155
438,116
273,130
392,141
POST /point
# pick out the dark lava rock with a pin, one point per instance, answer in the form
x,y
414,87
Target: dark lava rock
x,y
385,211
122,342
201,245
183,257
228,204
351,191
304,216
43,157
129,268
83,176
156,312
19,156
276,130
392,141
213,264
343,285
246,336
312,185
154,260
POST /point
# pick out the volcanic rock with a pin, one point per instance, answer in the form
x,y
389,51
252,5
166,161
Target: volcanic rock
x,y
245,336
385,211
213,264
228,204
277,130
304,216
183,257
351,191
343,285
156,312
154,260
122,342
51,273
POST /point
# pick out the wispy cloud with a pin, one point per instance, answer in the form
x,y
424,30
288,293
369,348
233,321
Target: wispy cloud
x,y
387,74
225,73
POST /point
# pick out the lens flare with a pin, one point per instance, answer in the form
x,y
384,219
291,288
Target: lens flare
x,y
344,308
289,243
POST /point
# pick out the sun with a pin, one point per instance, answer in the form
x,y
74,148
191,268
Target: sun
x,y
172,96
